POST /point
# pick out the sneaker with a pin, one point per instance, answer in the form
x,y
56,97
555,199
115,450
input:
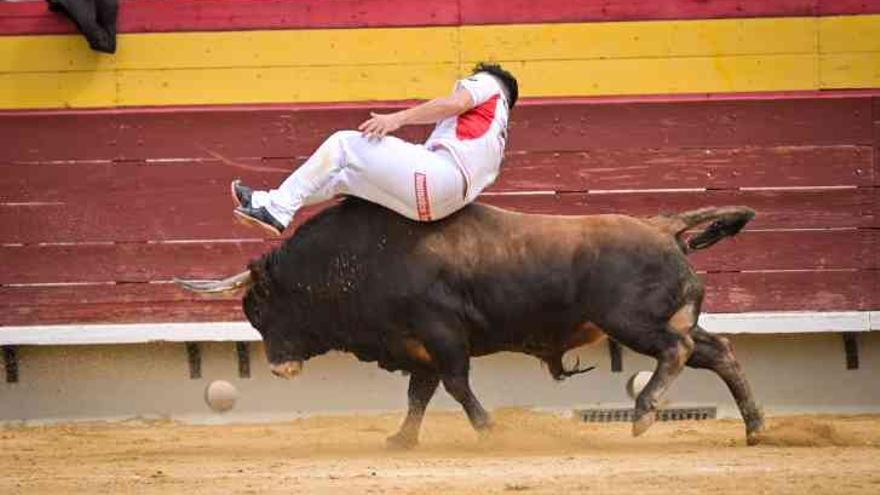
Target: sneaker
x,y
241,194
259,217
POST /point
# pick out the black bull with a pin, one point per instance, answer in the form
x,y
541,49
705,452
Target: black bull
x,y
425,298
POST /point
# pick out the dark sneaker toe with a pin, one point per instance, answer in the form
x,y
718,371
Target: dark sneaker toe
x,y
259,217
241,194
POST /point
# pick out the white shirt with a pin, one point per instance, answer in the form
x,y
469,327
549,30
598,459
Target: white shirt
x,y
476,138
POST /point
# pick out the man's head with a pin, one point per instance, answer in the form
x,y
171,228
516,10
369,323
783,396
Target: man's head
x,y
506,78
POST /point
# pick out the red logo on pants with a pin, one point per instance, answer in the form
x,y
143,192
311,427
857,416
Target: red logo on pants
x,y
423,203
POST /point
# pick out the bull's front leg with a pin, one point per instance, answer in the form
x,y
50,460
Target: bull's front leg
x,y
422,385
451,358
459,388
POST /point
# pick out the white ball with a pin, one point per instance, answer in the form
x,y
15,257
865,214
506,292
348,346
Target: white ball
x,y
637,382
221,395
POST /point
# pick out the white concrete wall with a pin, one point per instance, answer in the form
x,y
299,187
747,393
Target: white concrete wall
x,y
790,373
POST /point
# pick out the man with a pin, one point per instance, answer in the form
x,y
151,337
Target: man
x,y
422,182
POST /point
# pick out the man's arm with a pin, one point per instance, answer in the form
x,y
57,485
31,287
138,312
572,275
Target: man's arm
x,y
429,112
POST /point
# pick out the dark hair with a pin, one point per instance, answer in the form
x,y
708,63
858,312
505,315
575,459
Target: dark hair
x,y
504,76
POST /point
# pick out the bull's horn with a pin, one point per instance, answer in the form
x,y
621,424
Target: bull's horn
x,y
232,283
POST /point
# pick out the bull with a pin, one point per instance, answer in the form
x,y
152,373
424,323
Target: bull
x,y
426,297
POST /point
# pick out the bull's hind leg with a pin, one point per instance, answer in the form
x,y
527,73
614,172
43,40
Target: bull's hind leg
x,y
715,353
670,344
422,385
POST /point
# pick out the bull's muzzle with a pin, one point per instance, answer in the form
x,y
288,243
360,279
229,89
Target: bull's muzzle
x,y
287,369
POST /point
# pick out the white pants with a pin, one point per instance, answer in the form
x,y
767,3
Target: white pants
x,y
408,178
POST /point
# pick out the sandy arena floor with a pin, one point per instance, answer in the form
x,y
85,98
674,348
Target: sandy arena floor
x,y
529,452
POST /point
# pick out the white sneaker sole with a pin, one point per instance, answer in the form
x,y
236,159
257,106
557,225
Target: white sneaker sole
x,y
253,222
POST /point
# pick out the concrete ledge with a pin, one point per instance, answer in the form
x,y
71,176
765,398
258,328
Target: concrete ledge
x,y
791,322
136,333
728,323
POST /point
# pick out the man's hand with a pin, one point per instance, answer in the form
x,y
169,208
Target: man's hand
x,y
379,124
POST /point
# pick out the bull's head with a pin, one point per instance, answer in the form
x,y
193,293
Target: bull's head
x,y
283,350
270,311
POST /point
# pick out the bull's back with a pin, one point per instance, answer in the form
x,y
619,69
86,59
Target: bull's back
x,y
560,272
359,265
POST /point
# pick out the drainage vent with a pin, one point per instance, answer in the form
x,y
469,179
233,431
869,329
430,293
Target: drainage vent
x,y
672,414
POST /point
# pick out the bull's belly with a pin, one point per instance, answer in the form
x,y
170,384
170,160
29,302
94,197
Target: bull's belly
x,y
544,342
409,352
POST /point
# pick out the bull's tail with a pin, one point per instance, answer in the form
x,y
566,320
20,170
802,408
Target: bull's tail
x,y
239,281
726,222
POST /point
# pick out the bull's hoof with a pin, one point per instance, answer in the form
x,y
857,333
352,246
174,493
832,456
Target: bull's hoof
x,y
486,434
399,441
753,438
755,435
644,422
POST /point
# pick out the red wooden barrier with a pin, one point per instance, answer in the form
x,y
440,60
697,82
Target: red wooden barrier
x,y
91,198
206,212
150,303
239,15
143,262
537,125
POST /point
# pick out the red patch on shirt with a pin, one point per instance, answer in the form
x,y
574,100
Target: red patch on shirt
x,y
476,121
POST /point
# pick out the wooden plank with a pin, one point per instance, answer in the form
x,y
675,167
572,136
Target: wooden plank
x,y
566,126
223,15
521,11
793,250
669,75
847,7
876,113
537,125
205,211
777,209
683,57
79,89
59,136
790,291
126,262
136,134
242,132
128,202
220,15
849,70
239,49
650,39
126,303
113,182
143,303
716,168
602,169
846,34
233,85
139,262
338,83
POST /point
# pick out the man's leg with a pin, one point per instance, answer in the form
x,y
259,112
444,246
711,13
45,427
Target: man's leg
x,y
404,177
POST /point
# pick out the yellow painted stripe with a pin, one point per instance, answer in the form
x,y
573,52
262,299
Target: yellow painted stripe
x,y
860,33
639,39
850,70
727,55
657,75
57,90
285,84
226,49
